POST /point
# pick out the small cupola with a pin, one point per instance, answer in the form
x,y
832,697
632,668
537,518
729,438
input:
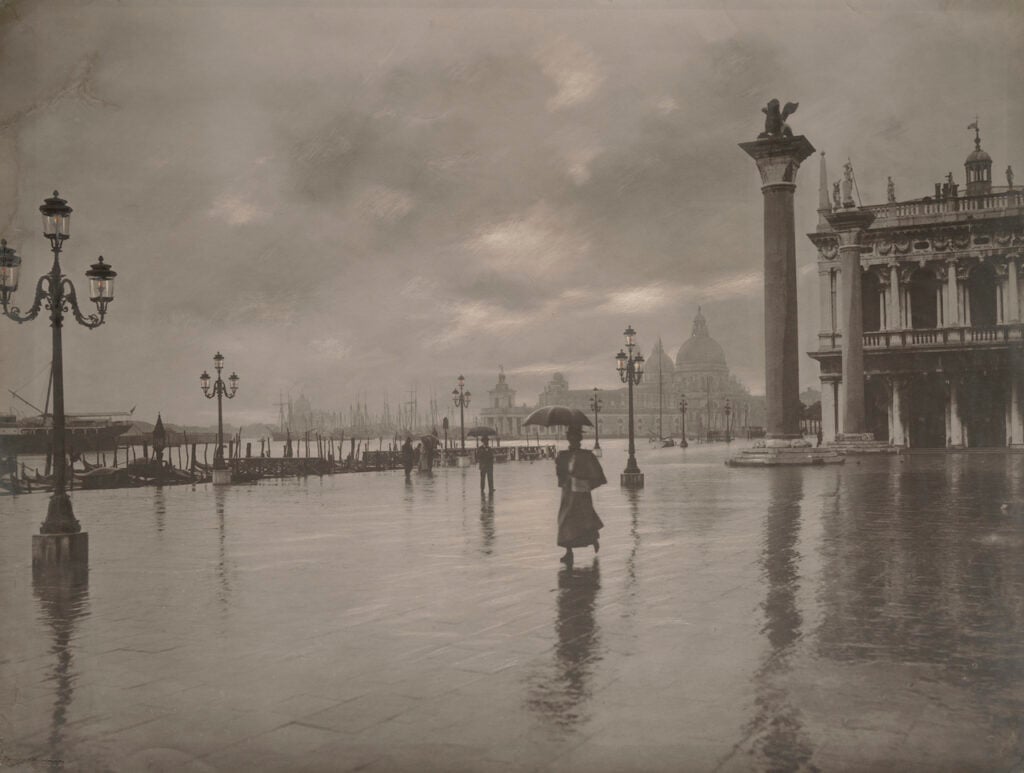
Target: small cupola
x,y
978,167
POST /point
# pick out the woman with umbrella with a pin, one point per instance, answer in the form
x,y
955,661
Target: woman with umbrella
x,y
578,473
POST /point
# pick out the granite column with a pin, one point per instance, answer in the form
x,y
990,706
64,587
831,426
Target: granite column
x,y
778,159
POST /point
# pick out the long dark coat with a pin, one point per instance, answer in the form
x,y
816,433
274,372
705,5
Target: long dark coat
x,y
578,522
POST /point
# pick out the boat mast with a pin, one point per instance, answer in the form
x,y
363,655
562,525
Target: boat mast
x,y
661,435
49,386
33,407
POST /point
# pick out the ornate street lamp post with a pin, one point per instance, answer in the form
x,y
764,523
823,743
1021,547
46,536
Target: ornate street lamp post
x,y
728,421
220,390
60,539
631,370
595,406
460,396
682,411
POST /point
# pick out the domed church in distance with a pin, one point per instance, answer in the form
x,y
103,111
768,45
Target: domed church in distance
x,y
699,371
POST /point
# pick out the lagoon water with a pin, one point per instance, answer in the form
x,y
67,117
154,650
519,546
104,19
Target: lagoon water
x,y
868,616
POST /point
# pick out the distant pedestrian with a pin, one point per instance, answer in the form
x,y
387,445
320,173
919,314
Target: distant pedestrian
x,y
819,437
485,458
578,473
407,457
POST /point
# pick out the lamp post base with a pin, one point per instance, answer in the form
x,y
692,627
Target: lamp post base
x,y
222,477
631,480
52,550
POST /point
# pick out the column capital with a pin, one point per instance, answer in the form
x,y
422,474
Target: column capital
x,y
849,225
778,159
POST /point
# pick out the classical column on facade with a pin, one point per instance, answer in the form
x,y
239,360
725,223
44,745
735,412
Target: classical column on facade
x,y
1015,435
895,290
883,299
1013,286
954,426
952,300
849,225
778,158
1002,296
828,411
825,300
963,297
899,431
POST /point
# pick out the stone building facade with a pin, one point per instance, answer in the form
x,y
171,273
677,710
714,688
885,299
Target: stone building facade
x,y
501,411
943,343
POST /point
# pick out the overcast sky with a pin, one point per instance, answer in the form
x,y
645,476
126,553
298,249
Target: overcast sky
x,y
357,199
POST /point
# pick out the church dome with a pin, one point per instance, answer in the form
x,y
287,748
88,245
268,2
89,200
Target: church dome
x,y
700,352
978,155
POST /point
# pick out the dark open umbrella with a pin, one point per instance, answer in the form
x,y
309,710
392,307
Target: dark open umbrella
x,y
481,432
558,416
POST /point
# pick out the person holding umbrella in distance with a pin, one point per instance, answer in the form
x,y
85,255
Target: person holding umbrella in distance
x,y
578,473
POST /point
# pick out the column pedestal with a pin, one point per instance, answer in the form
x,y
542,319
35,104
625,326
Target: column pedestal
x,y
631,480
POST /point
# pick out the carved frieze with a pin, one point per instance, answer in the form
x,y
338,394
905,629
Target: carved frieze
x,y
828,249
884,246
902,243
1002,238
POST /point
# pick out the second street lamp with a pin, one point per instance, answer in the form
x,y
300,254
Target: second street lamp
x,y
595,406
631,370
460,397
220,390
60,539
682,412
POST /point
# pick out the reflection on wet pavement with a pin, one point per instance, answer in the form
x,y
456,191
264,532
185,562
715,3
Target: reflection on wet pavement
x,y
63,596
560,695
863,617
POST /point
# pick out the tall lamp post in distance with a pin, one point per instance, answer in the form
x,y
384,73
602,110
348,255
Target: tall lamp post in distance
x,y
595,406
220,390
682,412
728,421
631,370
460,396
60,539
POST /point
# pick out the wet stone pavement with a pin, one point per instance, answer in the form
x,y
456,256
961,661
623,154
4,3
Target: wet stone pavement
x,y
862,617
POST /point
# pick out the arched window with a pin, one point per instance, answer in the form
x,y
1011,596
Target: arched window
x,y
982,289
924,303
871,301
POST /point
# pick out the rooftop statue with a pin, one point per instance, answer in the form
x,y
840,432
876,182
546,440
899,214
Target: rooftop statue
x,y
775,121
848,185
